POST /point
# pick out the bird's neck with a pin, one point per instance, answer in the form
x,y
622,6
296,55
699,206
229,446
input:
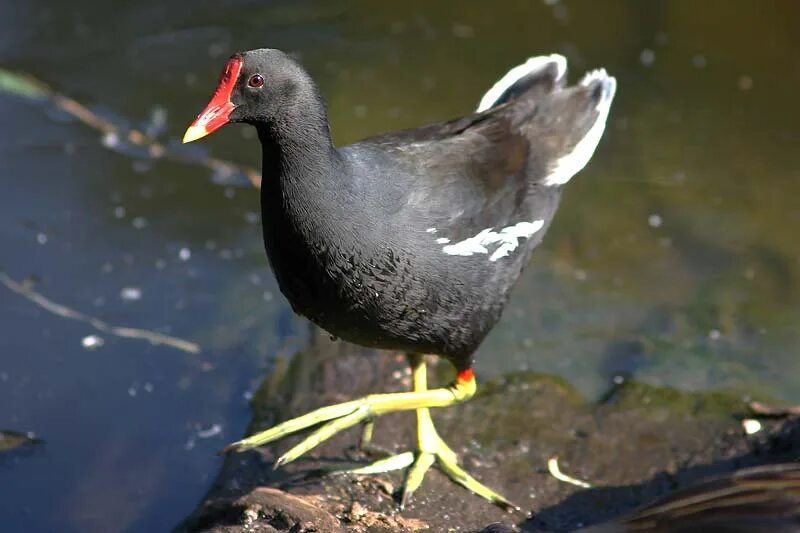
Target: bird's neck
x,y
298,154
302,171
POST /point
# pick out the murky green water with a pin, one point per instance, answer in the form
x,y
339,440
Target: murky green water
x,y
675,256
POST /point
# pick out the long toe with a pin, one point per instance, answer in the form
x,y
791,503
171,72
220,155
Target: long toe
x,y
460,476
388,464
415,476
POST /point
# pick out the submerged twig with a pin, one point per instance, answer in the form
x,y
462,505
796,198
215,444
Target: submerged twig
x,y
555,471
15,440
66,312
27,86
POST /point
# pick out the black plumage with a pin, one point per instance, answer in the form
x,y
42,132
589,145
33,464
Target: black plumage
x,y
354,234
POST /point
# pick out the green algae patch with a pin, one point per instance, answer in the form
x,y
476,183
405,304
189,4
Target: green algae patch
x,y
724,402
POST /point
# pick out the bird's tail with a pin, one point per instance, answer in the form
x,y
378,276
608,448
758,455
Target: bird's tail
x,y
538,75
568,122
571,122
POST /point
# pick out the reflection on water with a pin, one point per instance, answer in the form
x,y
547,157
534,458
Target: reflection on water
x,y
674,257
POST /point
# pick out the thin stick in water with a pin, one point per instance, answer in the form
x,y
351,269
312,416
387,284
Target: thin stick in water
x,y
96,323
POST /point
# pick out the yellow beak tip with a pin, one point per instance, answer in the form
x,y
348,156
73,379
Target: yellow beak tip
x,y
194,133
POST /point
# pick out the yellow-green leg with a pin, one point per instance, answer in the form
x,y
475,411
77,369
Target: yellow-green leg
x,y
431,448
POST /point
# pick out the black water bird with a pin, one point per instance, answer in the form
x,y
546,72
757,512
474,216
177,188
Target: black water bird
x,y
411,240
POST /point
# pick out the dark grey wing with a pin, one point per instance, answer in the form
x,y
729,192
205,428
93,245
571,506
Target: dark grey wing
x,y
474,180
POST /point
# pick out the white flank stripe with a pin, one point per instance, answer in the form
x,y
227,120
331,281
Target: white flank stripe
x,y
517,73
567,166
508,239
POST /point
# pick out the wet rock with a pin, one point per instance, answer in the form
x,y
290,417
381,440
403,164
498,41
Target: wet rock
x,y
499,528
639,443
265,509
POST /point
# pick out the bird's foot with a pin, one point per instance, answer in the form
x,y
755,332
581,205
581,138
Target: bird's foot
x,y
335,418
432,450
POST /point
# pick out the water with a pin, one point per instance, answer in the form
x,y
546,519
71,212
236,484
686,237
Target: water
x,y
674,257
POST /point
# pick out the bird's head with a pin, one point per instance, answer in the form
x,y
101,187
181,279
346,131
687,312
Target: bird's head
x,y
259,86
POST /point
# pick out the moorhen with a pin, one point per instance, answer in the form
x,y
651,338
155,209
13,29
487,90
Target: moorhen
x,y
411,240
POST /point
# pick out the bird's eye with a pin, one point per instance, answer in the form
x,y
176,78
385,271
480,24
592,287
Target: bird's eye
x,y
256,81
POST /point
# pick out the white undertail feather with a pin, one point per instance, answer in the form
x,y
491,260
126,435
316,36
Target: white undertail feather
x,y
570,164
533,64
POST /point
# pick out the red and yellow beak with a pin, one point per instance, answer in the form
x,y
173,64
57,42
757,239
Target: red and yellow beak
x,y
217,112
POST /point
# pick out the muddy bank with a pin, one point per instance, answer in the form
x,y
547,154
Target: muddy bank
x,y
638,443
